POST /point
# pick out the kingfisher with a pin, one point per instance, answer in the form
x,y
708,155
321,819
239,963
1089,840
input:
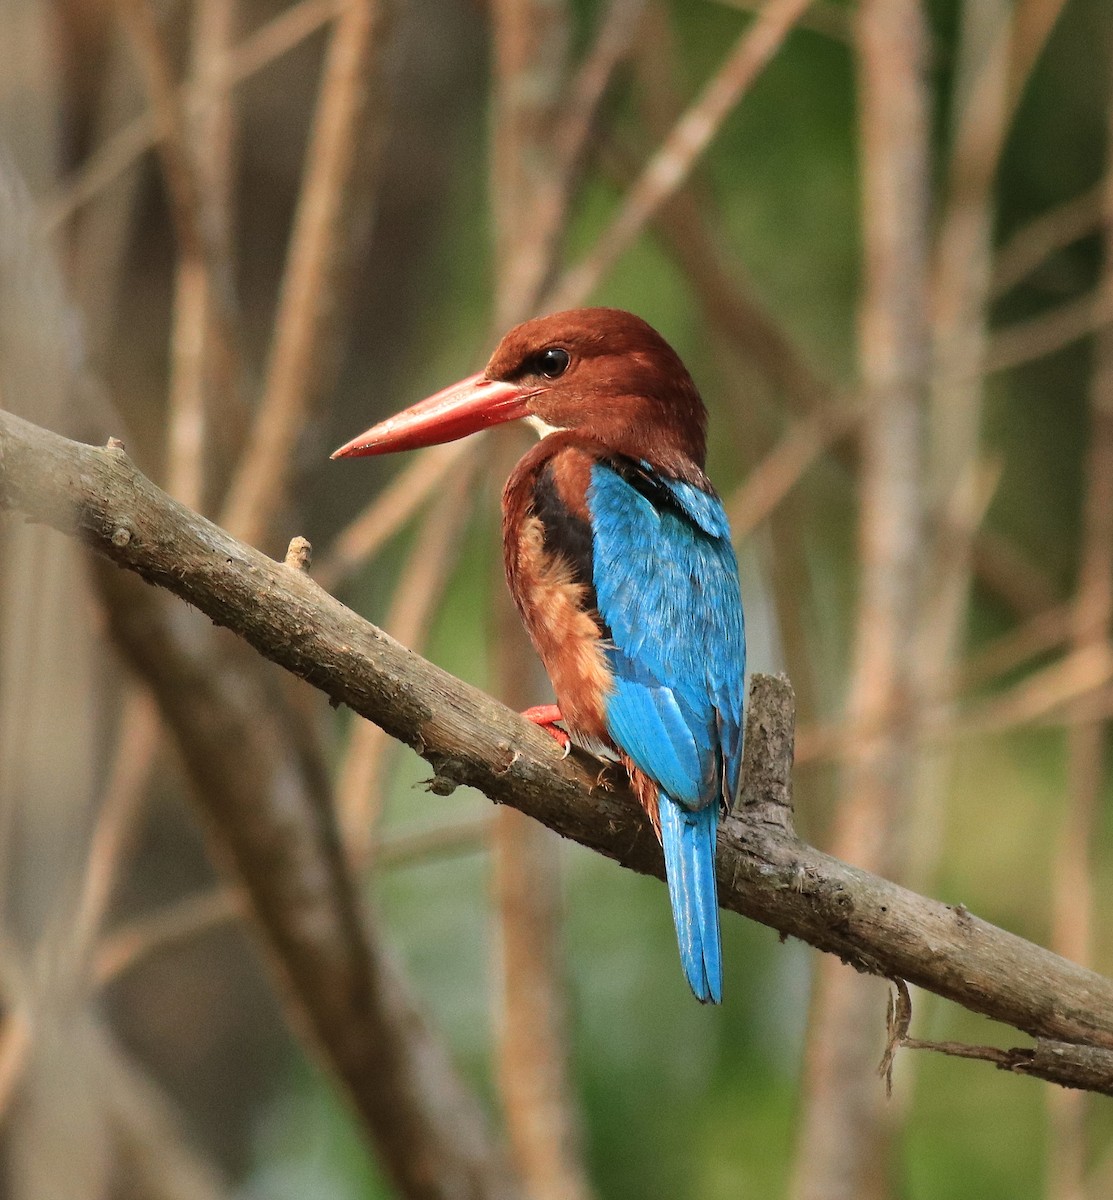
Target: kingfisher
x,y
618,555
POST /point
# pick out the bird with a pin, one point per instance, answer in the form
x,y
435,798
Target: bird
x,y
618,555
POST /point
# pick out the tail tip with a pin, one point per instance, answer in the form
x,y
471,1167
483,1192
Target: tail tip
x,y
706,981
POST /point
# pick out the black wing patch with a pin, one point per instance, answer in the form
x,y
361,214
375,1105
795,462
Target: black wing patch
x,y
567,535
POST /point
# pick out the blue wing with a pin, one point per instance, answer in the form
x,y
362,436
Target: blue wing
x,y
666,582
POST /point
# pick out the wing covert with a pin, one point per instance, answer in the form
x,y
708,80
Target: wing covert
x,y
666,581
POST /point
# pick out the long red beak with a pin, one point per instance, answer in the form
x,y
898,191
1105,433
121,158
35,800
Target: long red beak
x,y
466,407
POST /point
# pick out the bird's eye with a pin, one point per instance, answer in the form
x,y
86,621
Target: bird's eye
x,y
551,362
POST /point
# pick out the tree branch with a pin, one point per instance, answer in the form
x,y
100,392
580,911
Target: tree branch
x,y
764,871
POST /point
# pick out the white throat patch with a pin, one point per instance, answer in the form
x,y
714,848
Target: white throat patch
x,y
542,429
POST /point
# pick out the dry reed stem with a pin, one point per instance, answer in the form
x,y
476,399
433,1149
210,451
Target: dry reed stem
x,y
725,295
132,943
578,112
753,332
1032,24
673,161
279,36
340,167
536,159
960,295
198,240
115,154
138,741
831,20
183,193
1046,334
99,171
741,330
16,1039
1043,236
416,599
843,1136
1048,691
1004,569
1047,697
740,319
999,45
532,1021
364,536
533,258
422,845
686,222
271,810
102,239
1073,883
186,433
156,1154
804,443
528,189
1040,634
194,377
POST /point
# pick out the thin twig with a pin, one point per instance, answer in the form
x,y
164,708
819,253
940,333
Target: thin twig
x,y
1033,22
803,445
408,848
533,177
272,812
1044,632
844,1135
125,147
103,238
333,208
727,297
737,314
193,372
1043,698
111,159
743,334
133,943
16,1036
671,164
1073,884
183,192
529,187
142,937
137,744
998,45
155,1151
579,110
960,294
1040,336
1050,1060
528,268
1048,691
1033,244
364,536
416,599
1011,575
199,242
831,20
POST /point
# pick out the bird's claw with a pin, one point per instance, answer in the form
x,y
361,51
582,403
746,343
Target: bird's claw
x,y
545,716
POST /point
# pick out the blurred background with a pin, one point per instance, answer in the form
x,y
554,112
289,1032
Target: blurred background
x,y
235,233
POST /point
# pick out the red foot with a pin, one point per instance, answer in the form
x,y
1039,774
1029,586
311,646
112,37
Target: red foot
x,y
545,717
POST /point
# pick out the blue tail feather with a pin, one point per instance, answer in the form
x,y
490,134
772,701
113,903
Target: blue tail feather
x,y
688,838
